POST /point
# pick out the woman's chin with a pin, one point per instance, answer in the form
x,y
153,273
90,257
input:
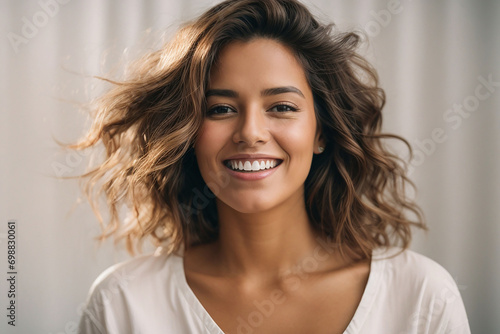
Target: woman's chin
x,y
249,206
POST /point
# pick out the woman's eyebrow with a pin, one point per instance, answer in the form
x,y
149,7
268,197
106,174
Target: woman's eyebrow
x,y
281,90
265,92
221,92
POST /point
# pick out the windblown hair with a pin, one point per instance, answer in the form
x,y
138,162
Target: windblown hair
x,y
355,192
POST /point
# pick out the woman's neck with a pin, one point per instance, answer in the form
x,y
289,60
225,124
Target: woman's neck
x,y
264,246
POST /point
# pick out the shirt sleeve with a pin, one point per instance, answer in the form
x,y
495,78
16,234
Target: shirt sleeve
x,y
89,324
458,322
107,309
447,311
428,300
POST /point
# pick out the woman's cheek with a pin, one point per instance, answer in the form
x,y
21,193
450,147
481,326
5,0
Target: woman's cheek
x,y
298,138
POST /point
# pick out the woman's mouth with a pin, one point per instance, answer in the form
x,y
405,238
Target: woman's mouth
x,y
252,165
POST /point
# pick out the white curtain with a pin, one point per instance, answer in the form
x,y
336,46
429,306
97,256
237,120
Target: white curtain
x,y
438,62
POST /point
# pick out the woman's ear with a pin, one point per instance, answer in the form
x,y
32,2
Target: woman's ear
x,y
319,143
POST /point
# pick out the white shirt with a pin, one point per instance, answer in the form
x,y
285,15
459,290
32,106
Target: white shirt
x,y
406,294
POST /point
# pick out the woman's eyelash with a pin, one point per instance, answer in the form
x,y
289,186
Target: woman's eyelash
x,y
221,109
285,106
280,108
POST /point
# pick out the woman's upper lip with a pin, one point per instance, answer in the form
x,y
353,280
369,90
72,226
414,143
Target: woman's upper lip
x,y
252,156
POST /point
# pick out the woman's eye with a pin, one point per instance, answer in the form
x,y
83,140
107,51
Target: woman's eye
x,y
222,110
283,108
219,110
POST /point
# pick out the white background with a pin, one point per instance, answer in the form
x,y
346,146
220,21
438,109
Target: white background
x,y
429,54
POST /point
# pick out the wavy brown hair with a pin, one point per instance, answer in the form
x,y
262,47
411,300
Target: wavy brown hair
x,y
355,191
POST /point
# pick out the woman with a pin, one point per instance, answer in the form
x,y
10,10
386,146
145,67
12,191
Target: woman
x,y
249,149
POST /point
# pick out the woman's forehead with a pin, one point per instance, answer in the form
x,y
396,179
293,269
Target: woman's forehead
x,y
262,62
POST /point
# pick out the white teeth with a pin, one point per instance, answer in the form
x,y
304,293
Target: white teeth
x,y
252,166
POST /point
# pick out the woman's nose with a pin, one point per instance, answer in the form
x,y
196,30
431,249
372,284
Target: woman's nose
x,y
252,127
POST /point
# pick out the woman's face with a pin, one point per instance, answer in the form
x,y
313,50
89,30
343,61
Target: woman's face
x,y
260,113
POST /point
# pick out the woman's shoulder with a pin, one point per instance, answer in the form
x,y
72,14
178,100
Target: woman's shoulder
x,y
148,271
419,289
142,268
131,292
410,266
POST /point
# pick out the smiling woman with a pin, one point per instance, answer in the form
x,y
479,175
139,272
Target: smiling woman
x,y
273,119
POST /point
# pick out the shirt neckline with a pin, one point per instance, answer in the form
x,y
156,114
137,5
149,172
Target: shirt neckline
x,y
375,278
356,323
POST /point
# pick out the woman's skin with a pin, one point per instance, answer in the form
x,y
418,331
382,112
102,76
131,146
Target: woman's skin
x,y
267,249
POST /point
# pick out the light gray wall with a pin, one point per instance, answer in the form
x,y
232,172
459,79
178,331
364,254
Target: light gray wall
x,y
431,56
